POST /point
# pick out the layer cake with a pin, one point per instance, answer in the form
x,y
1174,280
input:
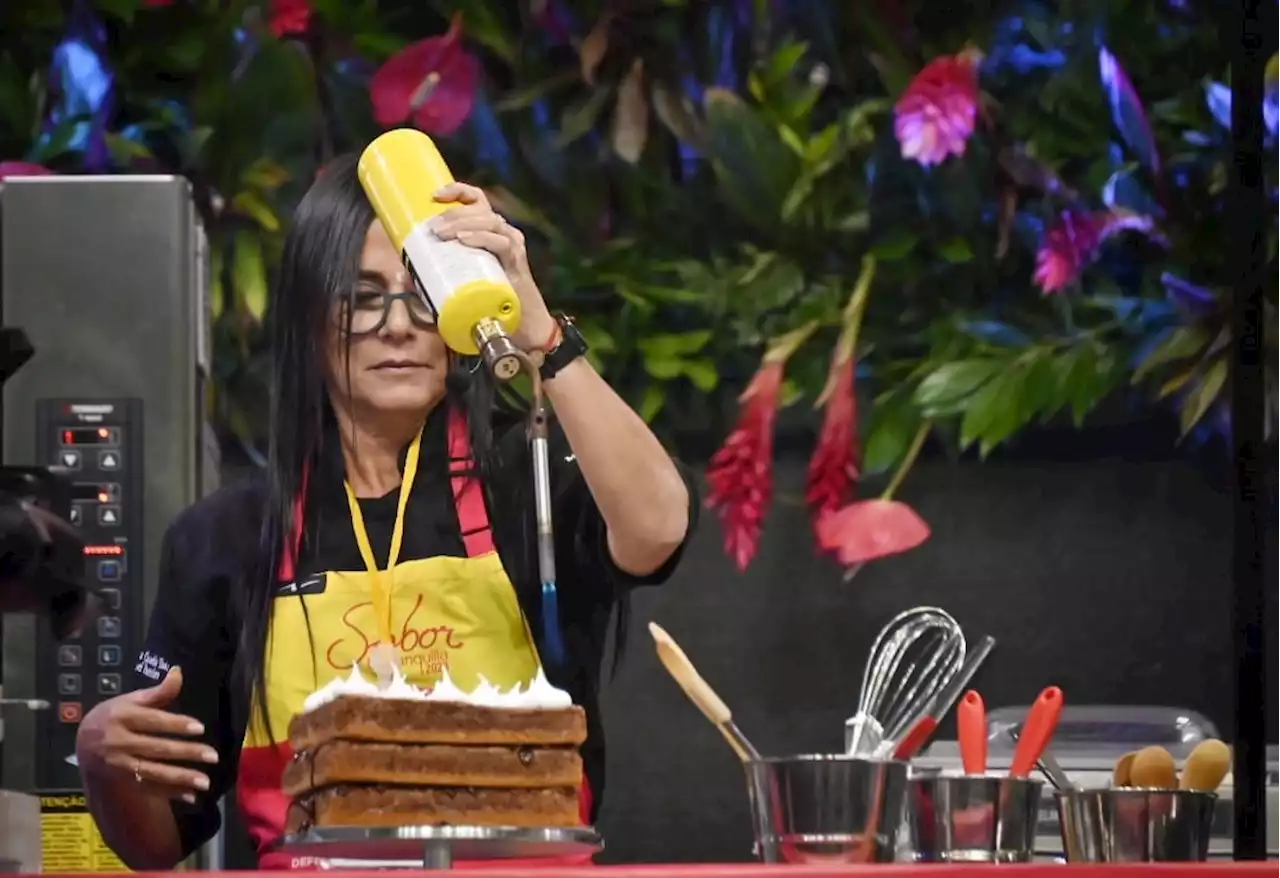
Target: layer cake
x,y
366,756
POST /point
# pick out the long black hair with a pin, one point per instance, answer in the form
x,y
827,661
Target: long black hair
x,y
320,265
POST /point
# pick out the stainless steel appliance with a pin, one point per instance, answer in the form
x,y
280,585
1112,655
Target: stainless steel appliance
x,y
108,276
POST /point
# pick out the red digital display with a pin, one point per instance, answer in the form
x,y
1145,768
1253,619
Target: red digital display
x,y
105,551
88,436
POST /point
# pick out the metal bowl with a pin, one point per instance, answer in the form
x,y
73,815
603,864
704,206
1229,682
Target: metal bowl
x,y
1136,825
972,819
826,809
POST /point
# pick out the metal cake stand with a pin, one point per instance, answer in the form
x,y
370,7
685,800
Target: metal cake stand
x,y
436,847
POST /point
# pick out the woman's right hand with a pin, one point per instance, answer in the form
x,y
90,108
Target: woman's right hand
x,y
130,736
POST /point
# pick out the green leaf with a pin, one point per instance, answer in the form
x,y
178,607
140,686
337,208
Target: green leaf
x,y
995,411
755,168
252,205
482,25
890,429
217,291
124,150
674,344
956,251
124,10
655,397
1042,395
663,368
582,117
702,373
1182,343
1202,398
896,245
944,390
249,274
1086,377
519,98
783,62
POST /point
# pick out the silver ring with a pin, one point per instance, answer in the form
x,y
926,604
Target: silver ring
x,y
137,772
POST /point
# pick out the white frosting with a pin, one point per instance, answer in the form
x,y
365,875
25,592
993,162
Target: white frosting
x,y
355,684
540,694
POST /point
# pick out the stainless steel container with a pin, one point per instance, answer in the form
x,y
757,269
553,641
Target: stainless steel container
x,y
1136,825
972,819
825,809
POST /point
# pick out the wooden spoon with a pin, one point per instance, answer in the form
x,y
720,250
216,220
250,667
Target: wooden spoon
x,y
700,693
1153,768
1206,766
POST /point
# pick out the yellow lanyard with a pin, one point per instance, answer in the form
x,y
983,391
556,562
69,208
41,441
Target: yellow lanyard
x,y
382,594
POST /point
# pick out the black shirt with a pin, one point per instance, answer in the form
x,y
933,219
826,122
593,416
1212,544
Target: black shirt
x,y
213,544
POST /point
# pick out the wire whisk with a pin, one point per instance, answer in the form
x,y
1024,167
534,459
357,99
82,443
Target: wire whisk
x,y
913,658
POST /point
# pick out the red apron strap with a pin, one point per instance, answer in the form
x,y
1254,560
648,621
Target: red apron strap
x,y
293,543
468,498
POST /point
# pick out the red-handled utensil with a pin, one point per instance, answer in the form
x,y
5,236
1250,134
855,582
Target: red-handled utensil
x,y
971,730
915,738
1037,731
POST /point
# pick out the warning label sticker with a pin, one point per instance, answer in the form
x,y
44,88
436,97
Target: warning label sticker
x,y
70,841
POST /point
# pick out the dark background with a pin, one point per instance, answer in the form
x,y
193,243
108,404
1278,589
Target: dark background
x,y
1100,561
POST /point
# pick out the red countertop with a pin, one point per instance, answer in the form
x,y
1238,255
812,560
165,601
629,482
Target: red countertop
x,y
1214,869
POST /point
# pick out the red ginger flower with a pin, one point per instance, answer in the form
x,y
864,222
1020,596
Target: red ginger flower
x,y
433,81
833,469
1073,242
740,475
935,116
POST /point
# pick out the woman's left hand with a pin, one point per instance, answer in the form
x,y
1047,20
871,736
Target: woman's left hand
x,y
476,224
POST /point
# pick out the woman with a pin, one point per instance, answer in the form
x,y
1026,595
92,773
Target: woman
x,y
380,440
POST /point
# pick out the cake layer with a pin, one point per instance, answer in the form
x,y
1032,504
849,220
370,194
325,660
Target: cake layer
x,y
432,765
426,806
394,721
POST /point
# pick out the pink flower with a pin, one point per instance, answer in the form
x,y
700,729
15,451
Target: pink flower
x,y
833,469
740,475
290,17
23,169
1072,243
935,116
433,81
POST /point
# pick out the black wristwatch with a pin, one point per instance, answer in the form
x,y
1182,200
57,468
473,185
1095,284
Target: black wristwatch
x,y
571,346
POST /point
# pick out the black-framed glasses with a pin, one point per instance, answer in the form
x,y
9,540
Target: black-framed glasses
x,y
370,309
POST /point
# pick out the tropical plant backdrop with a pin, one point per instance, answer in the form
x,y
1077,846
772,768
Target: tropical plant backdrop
x,y
918,220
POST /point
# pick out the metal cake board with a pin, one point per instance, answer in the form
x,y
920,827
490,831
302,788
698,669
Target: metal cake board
x,y
437,847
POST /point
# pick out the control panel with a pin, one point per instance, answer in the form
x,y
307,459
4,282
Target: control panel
x,y
98,444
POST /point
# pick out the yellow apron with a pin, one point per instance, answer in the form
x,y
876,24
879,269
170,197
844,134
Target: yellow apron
x,y
459,614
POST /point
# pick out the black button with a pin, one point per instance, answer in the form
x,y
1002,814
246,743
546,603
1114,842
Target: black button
x,y
69,655
108,626
108,656
76,515
109,571
68,684
108,684
111,596
108,460
69,459
109,516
